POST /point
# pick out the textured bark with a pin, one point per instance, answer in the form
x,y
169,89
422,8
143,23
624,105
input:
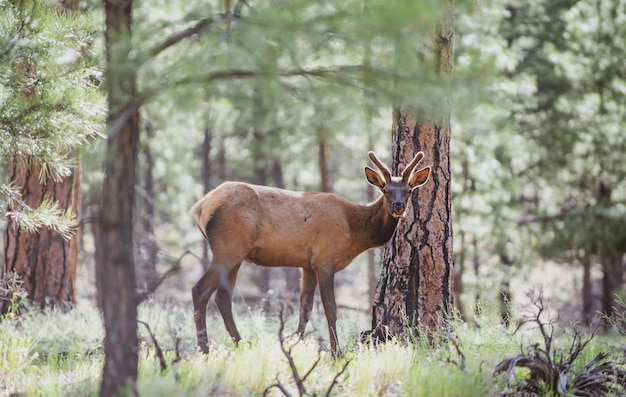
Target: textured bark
x,y
416,281
415,286
45,261
115,272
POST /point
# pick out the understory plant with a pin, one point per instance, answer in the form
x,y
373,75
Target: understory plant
x,y
560,369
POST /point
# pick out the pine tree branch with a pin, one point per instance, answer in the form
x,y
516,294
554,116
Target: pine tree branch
x,y
196,29
200,27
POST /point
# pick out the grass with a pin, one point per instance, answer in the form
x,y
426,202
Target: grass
x,y
54,354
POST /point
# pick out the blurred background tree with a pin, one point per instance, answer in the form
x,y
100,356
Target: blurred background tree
x,y
575,119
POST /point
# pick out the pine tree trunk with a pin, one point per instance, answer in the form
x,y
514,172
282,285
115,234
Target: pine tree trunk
x,y
371,260
612,280
415,286
205,155
459,263
145,233
263,275
322,158
416,283
587,292
45,261
115,271
291,275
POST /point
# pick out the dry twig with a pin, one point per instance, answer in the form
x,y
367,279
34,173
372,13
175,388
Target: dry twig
x,y
174,268
298,379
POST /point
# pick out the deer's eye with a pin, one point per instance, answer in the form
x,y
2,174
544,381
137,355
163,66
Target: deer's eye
x,y
384,190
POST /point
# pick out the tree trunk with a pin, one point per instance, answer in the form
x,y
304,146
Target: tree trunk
x,y
292,275
371,260
323,162
263,275
612,280
205,155
115,272
146,236
222,170
587,292
415,286
44,261
478,298
459,263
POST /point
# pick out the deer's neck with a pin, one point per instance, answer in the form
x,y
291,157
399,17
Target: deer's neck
x,y
373,226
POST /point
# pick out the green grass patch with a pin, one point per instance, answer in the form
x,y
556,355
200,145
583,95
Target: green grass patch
x,y
55,354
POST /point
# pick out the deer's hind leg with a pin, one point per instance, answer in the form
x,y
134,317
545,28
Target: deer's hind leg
x,y
224,300
214,278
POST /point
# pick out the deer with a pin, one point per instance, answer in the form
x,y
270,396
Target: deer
x,y
321,233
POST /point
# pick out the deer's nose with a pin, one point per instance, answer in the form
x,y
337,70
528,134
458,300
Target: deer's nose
x,y
397,206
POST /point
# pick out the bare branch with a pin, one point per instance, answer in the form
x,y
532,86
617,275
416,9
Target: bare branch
x,y
336,378
279,386
157,348
287,353
317,361
171,271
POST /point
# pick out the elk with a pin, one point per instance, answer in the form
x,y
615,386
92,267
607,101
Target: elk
x,y
318,232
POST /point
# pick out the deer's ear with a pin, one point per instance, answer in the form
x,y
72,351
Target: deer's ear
x,y
418,178
374,177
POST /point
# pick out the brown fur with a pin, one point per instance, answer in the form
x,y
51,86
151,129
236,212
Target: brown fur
x,y
318,232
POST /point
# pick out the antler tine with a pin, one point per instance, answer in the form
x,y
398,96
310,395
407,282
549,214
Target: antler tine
x,y
406,173
382,167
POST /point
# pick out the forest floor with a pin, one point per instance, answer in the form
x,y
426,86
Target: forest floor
x,y
54,354
61,354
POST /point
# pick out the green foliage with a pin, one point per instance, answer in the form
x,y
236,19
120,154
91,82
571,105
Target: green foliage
x,y
49,100
574,118
36,348
536,157
270,83
48,214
